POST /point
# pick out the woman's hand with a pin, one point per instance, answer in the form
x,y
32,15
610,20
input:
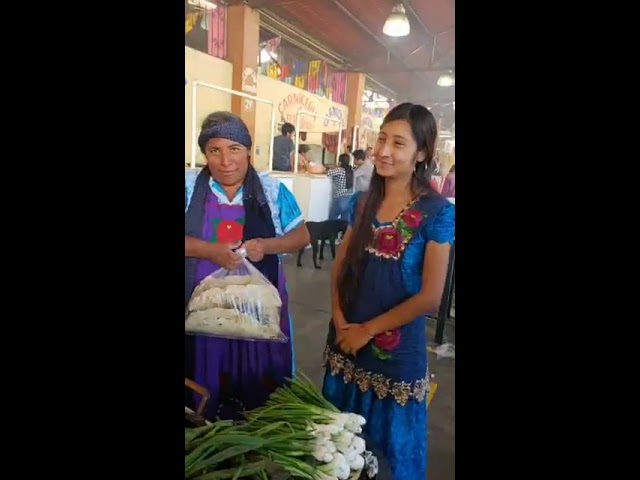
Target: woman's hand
x,y
353,338
339,323
223,255
255,249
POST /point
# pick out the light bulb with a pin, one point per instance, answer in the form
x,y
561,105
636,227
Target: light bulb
x,y
397,24
446,80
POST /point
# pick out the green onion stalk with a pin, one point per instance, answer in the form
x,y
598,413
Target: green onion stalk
x,y
297,430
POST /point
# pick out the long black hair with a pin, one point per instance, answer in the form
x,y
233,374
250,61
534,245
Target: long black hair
x,y
425,132
344,161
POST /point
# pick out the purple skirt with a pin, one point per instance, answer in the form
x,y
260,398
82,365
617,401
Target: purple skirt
x,y
240,374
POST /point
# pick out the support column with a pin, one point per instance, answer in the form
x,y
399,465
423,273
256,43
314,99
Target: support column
x,y
243,40
355,90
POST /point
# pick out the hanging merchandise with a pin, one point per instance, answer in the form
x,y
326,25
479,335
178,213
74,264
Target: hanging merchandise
x,y
338,84
296,67
285,72
325,77
216,32
314,70
272,71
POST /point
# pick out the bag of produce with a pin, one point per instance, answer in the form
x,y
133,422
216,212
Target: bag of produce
x,y
236,304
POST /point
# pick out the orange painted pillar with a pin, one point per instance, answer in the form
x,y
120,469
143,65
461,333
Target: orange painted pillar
x,y
243,45
355,90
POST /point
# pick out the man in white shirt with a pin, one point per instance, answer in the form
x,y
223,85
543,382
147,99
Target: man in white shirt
x,y
363,172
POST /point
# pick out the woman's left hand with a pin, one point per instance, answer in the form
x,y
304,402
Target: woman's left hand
x,y
353,337
255,249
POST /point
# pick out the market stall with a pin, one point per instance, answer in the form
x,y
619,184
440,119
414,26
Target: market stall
x,y
312,191
368,130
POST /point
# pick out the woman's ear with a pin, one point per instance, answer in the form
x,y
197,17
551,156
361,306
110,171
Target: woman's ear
x,y
421,156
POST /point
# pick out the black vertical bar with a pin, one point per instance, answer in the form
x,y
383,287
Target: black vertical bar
x,y
453,289
445,304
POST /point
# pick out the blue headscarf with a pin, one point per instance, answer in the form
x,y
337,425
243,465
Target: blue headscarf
x,y
232,128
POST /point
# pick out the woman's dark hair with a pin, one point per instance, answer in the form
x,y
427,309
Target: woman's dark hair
x,y
218,117
303,149
344,160
425,133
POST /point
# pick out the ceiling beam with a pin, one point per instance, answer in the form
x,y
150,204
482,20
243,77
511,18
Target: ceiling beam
x,y
443,55
409,8
403,70
251,3
293,35
384,44
289,32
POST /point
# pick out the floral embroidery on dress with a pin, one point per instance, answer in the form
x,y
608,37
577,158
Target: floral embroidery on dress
x,y
389,241
385,343
227,231
382,386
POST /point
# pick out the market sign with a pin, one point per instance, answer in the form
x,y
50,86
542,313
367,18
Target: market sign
x,y
295,102
289,100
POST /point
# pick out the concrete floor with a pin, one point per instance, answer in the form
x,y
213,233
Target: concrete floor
x,y
310,308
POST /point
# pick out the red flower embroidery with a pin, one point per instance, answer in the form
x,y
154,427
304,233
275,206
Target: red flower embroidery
x,y
388,241
412,218
229,232
387,340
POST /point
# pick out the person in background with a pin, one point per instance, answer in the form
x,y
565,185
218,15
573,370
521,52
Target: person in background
x,y
306,162
304,157
363,172
283,149
342,180
228,203
388,273
449,185
368,154
434,181
350,153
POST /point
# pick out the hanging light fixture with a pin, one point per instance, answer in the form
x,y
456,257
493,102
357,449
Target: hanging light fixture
x,y
397,25
446,80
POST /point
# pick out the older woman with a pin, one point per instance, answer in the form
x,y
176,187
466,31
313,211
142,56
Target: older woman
x,y
229,204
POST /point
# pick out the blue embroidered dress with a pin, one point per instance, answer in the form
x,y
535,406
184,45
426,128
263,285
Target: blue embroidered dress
x,y
388,381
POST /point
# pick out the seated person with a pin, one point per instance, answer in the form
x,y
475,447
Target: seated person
x,y
306,163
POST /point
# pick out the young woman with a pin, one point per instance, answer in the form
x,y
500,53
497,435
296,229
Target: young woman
x,y
389,272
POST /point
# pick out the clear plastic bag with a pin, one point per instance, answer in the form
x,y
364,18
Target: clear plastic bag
x,y
236,304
